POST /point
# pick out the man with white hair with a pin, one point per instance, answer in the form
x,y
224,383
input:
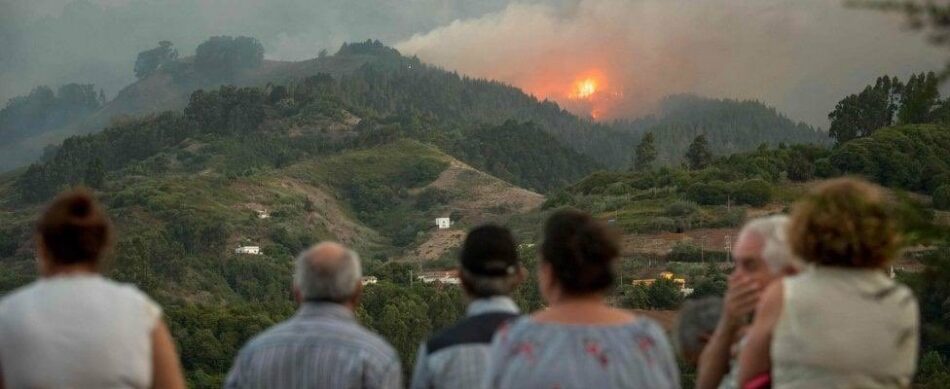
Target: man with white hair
x,y
761,255
322,345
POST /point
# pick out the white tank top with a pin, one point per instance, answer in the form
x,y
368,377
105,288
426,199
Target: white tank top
x,y
845,328
77,331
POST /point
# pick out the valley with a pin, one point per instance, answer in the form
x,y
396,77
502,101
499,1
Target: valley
x,y
368,147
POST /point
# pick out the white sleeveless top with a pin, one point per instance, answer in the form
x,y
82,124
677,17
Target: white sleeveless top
x,y
77,331
845,328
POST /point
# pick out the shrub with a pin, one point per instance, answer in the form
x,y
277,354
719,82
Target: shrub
x,y
432,197
684,251
617,189
941,197
681,208
664,294
824,169
753,192
714,193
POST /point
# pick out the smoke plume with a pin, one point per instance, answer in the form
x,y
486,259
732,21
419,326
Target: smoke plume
x,y
801,56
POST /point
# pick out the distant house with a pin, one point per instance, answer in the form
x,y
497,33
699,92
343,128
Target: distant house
x,y
443,223
262,214
249,250
442,277
366,280
680,282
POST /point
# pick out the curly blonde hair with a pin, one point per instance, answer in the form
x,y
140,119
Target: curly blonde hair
x,y
844,222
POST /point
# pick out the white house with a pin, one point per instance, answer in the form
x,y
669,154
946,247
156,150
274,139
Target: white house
x,y
262,214
366,280
443,222
443,277
250,250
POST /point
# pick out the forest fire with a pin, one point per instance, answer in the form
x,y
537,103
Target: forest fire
x,y
589,93
584,88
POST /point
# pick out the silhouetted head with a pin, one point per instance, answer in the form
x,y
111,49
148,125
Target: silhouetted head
x,y
328,272
74,231
489,262
844,222
578,255
695,325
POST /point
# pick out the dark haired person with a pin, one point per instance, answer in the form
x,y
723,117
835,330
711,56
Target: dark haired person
x,y
842,323
490,271
580,341
694,326
75,328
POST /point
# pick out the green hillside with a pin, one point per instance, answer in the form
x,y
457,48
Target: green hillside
x,y
731,126
384,84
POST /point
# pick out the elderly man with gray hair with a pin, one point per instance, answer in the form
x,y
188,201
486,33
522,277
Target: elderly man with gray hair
x,y
322,345
761,255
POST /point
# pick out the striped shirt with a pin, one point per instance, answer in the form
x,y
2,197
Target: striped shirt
x,y
531,354
321,346
455,357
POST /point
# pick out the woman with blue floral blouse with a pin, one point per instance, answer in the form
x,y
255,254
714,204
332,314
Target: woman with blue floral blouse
x,y
579,341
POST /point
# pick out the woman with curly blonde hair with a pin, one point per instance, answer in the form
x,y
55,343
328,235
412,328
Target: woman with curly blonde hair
x,y
842,323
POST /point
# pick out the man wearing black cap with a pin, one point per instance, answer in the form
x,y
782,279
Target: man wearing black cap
x,y
489,270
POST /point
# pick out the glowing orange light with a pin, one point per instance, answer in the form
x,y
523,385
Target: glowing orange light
x,y
584,88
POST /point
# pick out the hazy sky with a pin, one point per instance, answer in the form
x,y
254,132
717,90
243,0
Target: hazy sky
x,y
798,55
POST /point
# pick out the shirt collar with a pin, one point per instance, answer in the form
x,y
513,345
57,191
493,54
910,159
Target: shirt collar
x,y
325,310
491,304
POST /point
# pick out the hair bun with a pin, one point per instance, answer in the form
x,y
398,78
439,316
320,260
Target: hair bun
x,y
74,228
79,205
581,250
593,245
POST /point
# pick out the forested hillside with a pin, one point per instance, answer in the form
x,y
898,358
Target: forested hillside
x,y
367,147
40,112
730,126
380,82
187,188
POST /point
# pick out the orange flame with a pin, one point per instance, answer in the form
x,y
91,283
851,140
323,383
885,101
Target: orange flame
x,y
584,88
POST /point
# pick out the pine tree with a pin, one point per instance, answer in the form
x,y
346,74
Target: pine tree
x,y
918,99
646,153
698,155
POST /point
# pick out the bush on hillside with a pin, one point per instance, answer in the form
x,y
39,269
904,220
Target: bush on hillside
x,y
941,197
681,208
685,251
714,193
755,192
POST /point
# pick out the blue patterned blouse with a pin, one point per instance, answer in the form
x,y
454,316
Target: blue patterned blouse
x,y
529,354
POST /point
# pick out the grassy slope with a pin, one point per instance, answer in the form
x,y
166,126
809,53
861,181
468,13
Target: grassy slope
x,y
308,201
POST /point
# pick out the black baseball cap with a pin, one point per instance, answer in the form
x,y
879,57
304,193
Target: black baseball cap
x,y
489,250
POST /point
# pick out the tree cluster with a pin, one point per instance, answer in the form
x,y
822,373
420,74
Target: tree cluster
x,y
152,60
43,110
888,102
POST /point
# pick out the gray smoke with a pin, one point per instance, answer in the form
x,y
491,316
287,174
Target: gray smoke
x,y
59,41
801,56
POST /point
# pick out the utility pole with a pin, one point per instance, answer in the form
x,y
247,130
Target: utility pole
x,y
728,246
702,253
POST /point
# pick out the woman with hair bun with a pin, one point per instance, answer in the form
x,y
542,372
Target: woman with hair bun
x,y
579,341
75,328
